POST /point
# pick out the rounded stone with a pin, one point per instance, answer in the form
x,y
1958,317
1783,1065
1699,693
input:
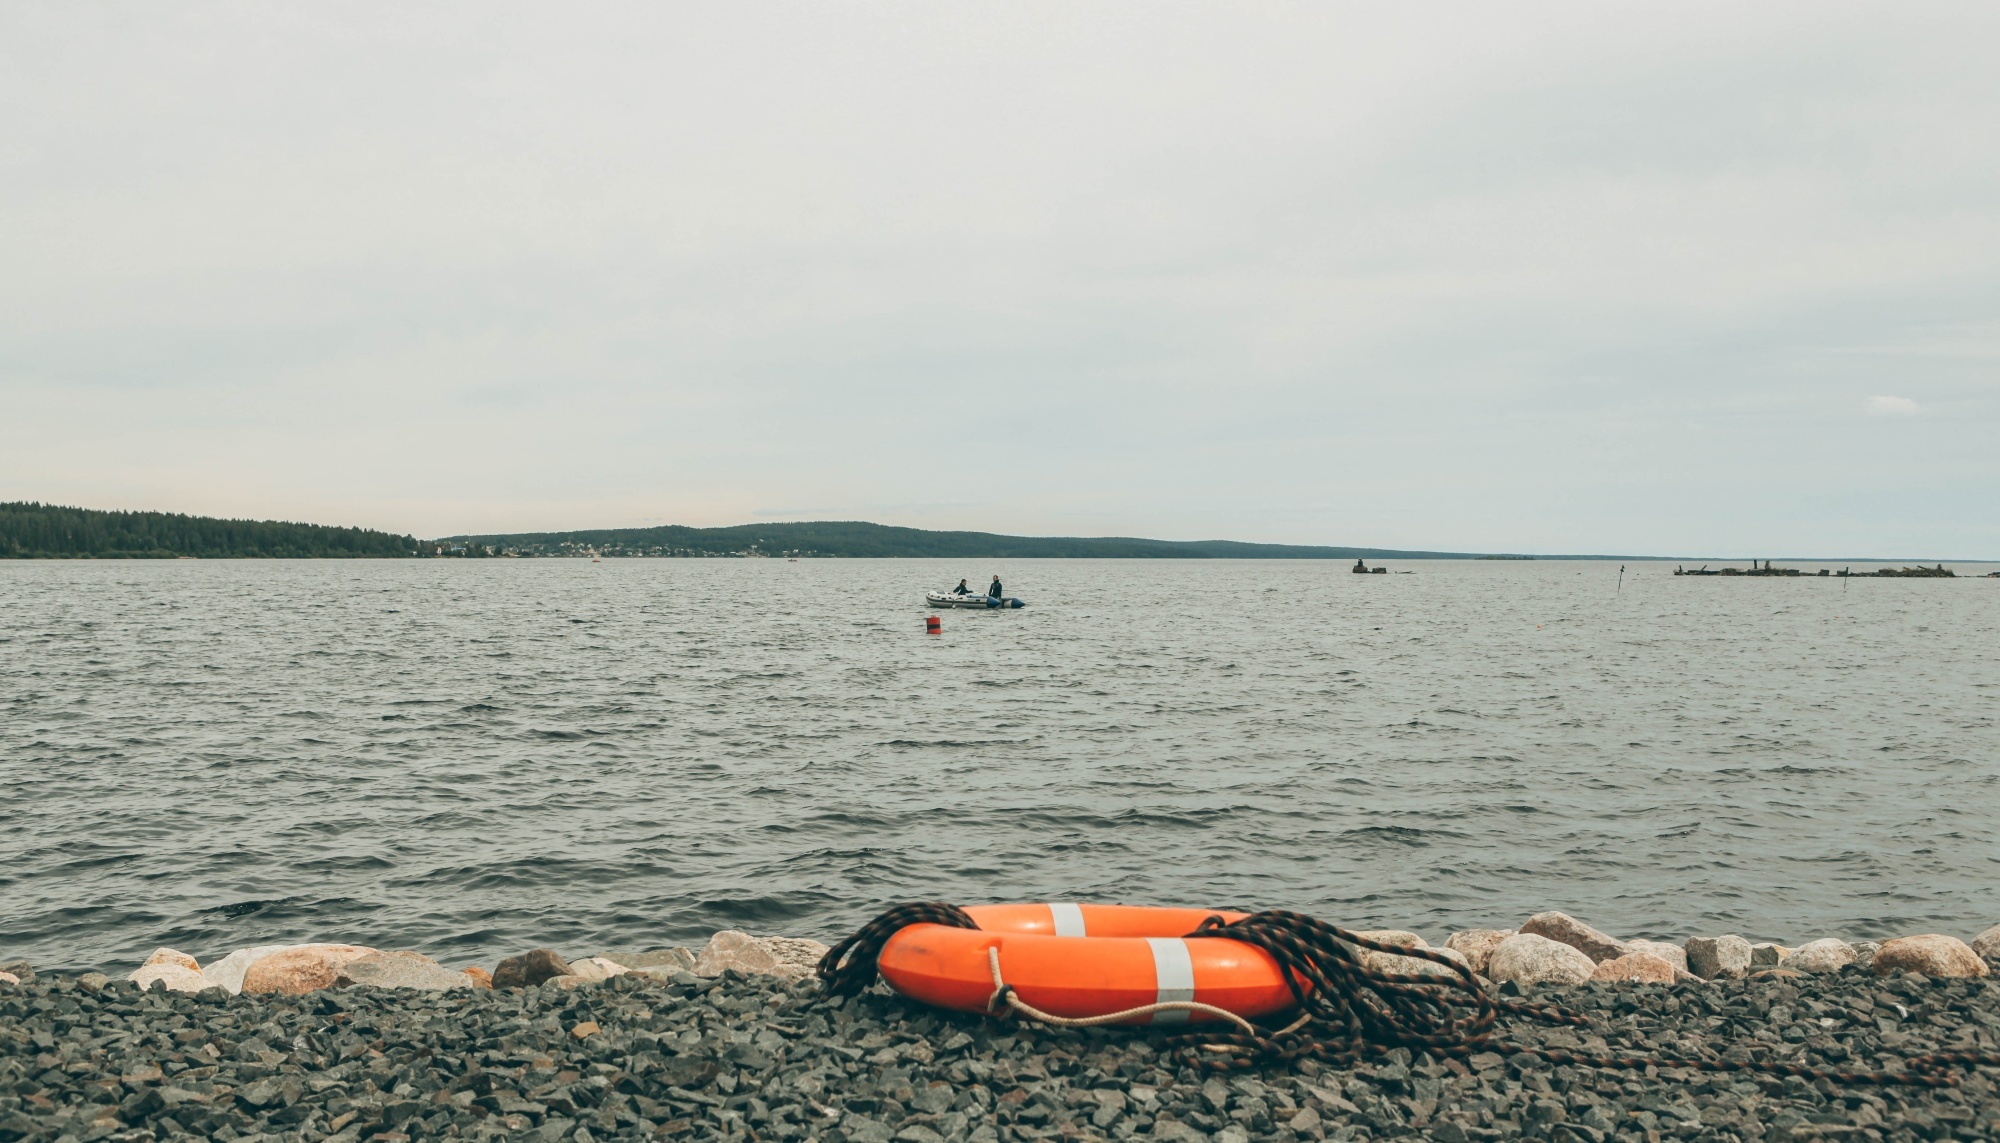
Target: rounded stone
x,y
297,971
173,977
1412,965
1673,954
1565,929
1987,944
1527,958
1403,937
401,969
797,957
1827,955
1930,954
1639,967
531,968
228,972
1477,945
596,969
732,949
173,956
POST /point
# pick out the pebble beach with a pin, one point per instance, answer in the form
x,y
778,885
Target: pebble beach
x,y
739,1041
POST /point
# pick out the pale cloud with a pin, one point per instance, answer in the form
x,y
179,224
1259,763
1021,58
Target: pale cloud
x,y
1891,407
1540,276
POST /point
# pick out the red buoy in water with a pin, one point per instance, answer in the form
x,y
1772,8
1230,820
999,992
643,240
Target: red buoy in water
x,y
932,626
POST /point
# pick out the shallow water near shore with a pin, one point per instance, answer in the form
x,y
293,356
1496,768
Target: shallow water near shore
x,y
472,757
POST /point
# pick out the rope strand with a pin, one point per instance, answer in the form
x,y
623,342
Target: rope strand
x,y
1004,993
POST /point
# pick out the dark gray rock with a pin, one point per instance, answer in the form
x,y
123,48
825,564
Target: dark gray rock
x,y
697,1058
536,966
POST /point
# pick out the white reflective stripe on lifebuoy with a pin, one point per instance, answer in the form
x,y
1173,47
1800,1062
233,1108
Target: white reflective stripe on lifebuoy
x,y
1068,918
1173,976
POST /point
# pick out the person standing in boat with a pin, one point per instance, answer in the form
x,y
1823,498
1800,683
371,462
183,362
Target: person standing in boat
x,y
963,588
993,592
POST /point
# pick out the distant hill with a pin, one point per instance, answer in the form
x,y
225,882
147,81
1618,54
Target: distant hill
x,y
856,539
47,531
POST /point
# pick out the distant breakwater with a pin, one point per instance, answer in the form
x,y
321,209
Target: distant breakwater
x,y
1765,568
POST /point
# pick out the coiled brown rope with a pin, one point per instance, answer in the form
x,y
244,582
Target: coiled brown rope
x,y
848,968
1347,1011
1352,1010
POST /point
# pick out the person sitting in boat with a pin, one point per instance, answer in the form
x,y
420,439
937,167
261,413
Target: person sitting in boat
x,y
993,592
962,589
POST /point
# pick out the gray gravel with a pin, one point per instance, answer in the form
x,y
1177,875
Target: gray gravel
x,y
765,1059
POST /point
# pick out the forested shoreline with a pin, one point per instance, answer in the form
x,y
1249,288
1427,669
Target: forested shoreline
x,y
862,540
30,530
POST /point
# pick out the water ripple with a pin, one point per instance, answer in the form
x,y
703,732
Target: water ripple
x,y
472,757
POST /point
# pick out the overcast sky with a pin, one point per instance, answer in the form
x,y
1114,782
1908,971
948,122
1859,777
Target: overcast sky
x,y
1679,278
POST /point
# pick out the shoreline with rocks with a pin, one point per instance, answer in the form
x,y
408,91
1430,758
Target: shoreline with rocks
x,y
1547,948
314,1042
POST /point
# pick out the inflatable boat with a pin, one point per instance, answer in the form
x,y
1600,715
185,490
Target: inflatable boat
x,y
954,599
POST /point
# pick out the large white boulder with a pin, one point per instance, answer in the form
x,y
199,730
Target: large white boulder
x,y
789,957
1826,955
177,977
1529,958
177,970
228,972
297,971
1931,954
1565,929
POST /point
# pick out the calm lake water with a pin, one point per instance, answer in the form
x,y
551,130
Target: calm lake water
x,y
473,757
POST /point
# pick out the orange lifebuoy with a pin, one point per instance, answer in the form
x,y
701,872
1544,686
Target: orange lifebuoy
x,y
1080,961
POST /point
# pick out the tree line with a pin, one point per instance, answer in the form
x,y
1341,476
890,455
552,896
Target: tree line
x,y
30,530
858,539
